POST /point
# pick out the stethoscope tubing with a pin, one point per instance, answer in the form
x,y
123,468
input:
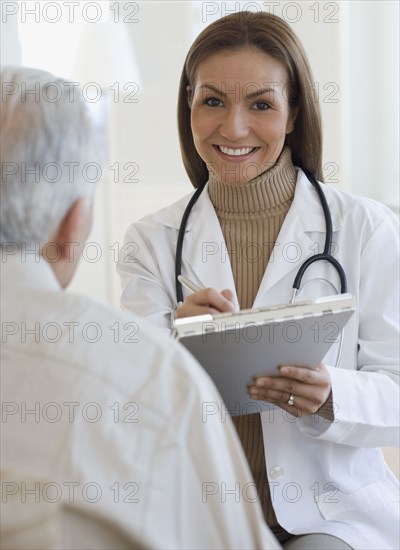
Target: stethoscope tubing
x,y
179,243
325,256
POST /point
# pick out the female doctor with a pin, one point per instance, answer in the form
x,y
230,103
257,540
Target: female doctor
x,y
251,143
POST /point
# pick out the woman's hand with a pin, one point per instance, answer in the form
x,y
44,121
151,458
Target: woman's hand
x,y
311,389
207,300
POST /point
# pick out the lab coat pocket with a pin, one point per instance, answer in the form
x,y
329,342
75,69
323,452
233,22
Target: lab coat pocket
x,y
339,506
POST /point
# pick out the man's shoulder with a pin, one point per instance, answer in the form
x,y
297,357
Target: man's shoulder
x,y
100,323
85,335
82,350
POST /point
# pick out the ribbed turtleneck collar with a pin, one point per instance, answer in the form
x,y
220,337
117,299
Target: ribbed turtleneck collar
x,y
268,191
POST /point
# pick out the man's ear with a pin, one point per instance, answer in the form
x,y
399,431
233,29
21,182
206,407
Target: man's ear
x,y
291,120
70,229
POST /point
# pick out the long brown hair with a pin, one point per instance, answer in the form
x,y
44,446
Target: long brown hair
x,y
272,35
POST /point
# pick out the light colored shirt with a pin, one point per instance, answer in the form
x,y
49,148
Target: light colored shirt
x,y
112,435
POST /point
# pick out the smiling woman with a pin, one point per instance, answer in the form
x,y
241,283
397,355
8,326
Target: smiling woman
x,y
238,132
251,142
243,62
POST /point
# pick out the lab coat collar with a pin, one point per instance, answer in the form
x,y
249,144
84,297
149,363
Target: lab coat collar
x,y
306,205
27,270
171,216
308,208
206,259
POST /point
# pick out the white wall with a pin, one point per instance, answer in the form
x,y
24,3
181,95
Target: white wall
x,y
353,49
372,112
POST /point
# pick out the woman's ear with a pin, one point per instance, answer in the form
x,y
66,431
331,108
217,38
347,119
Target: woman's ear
x,y
294,111
189,91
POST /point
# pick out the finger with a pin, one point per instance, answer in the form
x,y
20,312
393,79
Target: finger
x,y
300,405
210,297
287,386
305,375
277,383
228,294
307,406
205,301
273,396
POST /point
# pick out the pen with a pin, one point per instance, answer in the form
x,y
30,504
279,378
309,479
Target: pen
x,y
188,284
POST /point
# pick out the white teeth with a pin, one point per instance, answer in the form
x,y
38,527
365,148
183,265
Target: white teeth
x,y
235,152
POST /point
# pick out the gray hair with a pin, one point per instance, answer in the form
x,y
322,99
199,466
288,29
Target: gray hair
x,y
52,153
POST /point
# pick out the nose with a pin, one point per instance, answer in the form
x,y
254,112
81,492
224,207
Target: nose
x,y
234,125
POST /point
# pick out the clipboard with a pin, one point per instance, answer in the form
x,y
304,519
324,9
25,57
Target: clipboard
x,y
235,347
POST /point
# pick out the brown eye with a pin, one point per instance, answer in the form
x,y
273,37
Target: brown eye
x,y
212,102
261,106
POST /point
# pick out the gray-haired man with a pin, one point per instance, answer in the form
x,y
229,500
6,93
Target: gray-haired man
x,y
105,443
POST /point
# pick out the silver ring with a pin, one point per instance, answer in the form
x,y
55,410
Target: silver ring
x,y
291,399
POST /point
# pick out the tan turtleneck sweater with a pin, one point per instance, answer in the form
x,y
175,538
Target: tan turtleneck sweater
x,y
251,216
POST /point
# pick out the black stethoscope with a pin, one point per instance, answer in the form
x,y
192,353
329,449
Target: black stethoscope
x,y
326,254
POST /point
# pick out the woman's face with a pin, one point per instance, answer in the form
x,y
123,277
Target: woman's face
x,y
240,114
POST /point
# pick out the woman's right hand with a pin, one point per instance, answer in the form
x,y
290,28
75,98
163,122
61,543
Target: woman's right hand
x,y
206,301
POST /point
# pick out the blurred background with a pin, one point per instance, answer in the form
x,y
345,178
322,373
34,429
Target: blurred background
x,y
127,58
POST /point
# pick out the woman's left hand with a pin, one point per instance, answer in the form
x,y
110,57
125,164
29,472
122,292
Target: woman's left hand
x,y
310,389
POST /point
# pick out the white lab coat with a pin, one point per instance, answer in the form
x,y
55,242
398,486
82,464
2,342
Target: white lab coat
x,y
324,477
103,438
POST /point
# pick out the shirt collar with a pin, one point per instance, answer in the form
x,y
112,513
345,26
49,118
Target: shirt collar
x,y
24,269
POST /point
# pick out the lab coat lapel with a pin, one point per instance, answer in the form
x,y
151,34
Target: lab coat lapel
x,y
292,247
205,257
294,243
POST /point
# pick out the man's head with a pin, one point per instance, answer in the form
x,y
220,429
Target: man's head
x,y
51,157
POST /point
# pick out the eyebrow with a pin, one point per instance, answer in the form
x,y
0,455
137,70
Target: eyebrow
x,y
252,95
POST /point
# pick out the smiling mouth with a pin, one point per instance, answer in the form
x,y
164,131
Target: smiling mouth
x,y
237,151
